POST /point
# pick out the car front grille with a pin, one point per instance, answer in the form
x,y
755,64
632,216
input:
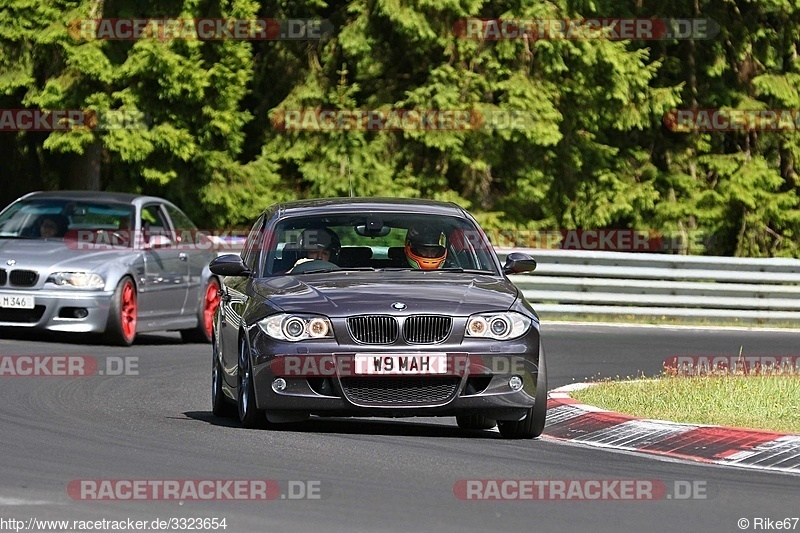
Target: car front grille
x,y
373,329
427,329
23,278
399,390
22,316
418,329
3,276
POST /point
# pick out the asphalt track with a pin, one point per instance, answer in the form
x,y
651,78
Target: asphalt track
x,y
375,475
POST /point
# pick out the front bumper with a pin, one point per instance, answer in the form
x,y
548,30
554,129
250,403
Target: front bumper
x,y
322,379
55,310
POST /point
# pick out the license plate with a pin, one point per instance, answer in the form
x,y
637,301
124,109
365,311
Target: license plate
x,y
16,302
400,364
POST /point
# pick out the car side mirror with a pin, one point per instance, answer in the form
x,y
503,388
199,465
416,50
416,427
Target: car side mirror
x,y
229,265
518,262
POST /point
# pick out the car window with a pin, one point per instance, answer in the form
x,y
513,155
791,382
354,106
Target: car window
x,y
186,233
376,240
179,219
253,244
64,218
153,220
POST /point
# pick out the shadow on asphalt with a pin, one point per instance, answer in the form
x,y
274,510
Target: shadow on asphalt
x,y
92,339
356,426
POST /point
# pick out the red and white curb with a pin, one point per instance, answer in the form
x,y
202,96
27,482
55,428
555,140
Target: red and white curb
x,y
569,420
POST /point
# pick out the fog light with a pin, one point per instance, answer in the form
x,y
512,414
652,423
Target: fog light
x,y
73,312
515,383
279,385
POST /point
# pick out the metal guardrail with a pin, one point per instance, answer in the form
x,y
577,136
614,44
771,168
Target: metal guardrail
x,y
584,282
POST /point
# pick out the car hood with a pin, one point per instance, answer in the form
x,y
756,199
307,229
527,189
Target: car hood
x,y
344,293
44,254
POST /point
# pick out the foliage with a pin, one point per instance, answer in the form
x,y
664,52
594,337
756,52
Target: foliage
x,y
591,151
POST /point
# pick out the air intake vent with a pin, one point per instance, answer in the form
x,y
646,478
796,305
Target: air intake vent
x,y
3,276
22,316
398,391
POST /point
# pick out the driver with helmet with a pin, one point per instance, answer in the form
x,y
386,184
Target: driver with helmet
x,y
425,248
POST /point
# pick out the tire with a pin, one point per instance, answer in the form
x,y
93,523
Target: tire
x,y
533,424
249,415
205,315
220,406
475,421
122,314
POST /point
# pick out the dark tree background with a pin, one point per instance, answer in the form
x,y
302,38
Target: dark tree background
x,y
595,153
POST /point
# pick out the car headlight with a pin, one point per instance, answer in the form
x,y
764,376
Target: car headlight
x,y
83,280
500,326
286,327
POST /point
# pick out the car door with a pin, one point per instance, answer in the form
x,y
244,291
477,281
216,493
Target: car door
x,y
198,252
234,299
166,269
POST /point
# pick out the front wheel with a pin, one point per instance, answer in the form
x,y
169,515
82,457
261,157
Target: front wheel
x,y
122,314
249,416
533,424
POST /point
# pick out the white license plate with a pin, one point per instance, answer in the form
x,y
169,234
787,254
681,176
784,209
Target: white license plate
x,y
16,302
400,364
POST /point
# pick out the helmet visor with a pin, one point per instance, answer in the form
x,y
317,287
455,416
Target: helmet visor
x,y
428,251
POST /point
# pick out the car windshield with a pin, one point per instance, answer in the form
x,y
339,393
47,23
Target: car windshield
x,y
57,218
377,241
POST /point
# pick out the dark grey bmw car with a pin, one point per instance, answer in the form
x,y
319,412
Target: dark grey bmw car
x,y
376,307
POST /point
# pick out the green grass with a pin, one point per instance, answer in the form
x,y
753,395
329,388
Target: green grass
x,y
758,402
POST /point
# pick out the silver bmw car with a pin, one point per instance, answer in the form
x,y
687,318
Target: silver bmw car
x,y
99,262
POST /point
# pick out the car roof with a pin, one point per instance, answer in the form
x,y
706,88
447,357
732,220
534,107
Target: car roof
x,y
341,205
102,196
